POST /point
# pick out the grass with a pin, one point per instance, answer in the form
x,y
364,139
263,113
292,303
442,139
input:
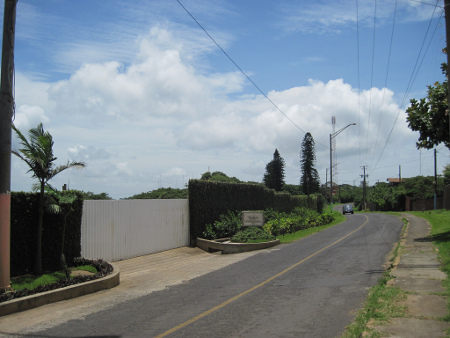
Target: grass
x,y
380,305
31,282
288,238
378,309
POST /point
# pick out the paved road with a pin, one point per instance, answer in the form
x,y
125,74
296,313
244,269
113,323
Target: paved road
x,y
310,288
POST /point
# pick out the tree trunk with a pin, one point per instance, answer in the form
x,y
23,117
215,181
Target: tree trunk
x,y
38,253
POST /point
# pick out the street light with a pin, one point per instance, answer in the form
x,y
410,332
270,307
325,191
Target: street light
x,y
332,136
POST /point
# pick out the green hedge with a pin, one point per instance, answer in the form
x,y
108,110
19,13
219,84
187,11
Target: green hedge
x,y
24,213
208,200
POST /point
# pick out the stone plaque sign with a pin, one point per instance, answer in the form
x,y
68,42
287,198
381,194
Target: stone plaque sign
x,y
252,218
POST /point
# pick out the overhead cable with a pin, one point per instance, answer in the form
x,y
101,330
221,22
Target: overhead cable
x,y
243,73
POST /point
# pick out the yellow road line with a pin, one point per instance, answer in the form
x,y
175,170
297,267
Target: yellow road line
x,y
206,313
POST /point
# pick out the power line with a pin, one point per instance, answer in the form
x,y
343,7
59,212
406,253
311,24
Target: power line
x,y
385,81
371,75
243,73
411,80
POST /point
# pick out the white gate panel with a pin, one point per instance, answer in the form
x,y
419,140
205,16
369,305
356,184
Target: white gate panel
x,y
121,229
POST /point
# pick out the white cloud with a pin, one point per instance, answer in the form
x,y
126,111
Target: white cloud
x,y
160,118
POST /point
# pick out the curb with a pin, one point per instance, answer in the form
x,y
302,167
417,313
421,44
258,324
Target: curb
x,y
53,296
228,248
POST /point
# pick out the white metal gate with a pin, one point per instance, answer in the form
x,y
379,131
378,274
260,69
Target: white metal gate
x,y
119,229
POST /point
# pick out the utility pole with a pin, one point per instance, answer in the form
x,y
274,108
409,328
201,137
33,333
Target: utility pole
x,y
364,186
447,32
435,181
326,190
6,113
399,174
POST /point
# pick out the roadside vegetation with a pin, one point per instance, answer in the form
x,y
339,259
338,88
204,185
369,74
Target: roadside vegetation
x,y
285,226
31,284
380,305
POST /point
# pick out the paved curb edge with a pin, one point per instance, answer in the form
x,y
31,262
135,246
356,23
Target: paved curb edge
x,y
228,248
53,296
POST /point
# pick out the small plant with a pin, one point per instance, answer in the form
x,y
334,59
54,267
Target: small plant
x,y
252,234
227,226
30,285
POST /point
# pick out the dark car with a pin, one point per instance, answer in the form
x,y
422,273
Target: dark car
x,y
347,209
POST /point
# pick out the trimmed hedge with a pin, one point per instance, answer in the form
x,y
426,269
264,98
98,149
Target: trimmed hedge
x,y
24,213
208,200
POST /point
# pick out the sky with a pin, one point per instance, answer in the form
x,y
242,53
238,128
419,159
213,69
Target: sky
x,y
150,94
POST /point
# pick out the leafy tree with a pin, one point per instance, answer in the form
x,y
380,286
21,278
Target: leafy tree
x,y
428,116
219,176
293,189
162,193
274,176
446,173
37,153
91,196
309,176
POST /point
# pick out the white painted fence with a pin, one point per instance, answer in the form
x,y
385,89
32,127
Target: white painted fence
x,y
121,229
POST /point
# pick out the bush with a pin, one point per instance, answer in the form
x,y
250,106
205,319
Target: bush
x,y
252,234
24,210
299,219
227,226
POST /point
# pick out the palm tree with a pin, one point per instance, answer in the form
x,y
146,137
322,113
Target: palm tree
x,y
37,153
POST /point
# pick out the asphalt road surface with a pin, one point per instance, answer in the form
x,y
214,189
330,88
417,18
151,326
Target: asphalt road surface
x,y
310,288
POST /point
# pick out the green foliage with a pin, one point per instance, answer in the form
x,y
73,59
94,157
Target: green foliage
x,y
292,189
446,173
429,115
252,235
37,153
349,193
274,175
385,197
102,267
299,219
208,200
219,176
91,196
30,282
309,180
162,193
227,226
24,211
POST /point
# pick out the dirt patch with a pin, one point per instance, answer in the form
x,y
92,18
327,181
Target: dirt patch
x,y
81,273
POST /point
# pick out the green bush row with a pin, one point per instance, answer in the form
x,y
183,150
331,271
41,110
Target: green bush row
x,y
299,219
276,223
24,214
208,200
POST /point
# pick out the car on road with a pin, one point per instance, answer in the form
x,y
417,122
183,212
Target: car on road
x,y
347,209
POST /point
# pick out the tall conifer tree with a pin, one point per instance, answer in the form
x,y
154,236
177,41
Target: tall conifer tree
x,y
309,180
274,176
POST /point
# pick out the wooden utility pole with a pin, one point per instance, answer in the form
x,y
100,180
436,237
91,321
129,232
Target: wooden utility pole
x,y
435,181
6,113
447,32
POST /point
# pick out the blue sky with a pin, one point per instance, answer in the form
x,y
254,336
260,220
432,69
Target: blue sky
x,y
139,92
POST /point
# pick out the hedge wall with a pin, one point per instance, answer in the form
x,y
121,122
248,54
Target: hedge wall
x,y
210,199
24,212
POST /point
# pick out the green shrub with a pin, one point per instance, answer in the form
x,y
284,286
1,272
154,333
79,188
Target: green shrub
x,y
227,226
299,219
252,234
